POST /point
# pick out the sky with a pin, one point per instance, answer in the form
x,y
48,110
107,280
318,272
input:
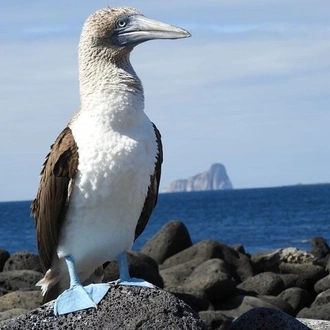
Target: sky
x,y
250,88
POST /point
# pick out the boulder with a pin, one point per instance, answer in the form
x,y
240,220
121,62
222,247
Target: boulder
x,y
322,298
239,264
279,303
266,261
197,300
239,248
4,256
20,299
20,280
215,320
263,284
271,260
267,319
168,241
317,313
320,249
23,261
213,278
294,280
319,309
176,275
12,313
140,266
322,285
297,298
124,307
238,304
311,273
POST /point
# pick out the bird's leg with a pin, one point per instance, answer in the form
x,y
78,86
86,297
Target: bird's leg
x,y
124,277
78,297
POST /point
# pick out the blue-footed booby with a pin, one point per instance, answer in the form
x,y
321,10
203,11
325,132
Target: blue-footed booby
x,y
99,182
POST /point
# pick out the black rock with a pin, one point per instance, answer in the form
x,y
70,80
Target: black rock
x,y
315,312
212,277
239,248
4,256
267,261
239,304
215,320
239,263
20,280
294,280
122,308
320,249
176,275
198,301
279,303
322,298
27,300
297,298
310,272
263,284
23,261
168,241
140,266
267,319
322,285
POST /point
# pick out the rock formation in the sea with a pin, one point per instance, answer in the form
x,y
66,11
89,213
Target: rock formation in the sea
x,y
215,178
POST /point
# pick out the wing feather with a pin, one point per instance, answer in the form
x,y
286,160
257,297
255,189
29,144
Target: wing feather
x,y
152,194
52,200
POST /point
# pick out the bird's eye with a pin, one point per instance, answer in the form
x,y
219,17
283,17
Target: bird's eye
x,y
121,23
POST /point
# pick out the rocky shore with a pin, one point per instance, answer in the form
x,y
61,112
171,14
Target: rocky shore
x,y
223,286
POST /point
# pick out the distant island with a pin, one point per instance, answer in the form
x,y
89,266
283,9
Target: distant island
x,y
215,178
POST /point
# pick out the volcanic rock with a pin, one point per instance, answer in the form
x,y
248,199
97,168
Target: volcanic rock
x,y
169,240
4,256
213,278
215,320
297,298
23,261
27,300
239,264
322,285
264,284
239,304
310,272
267,319
123,307
320,249
20,280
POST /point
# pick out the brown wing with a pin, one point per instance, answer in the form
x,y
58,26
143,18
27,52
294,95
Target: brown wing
x,y
51,203
152,194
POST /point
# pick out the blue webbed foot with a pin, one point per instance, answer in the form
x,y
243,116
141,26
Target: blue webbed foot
x,y
135,282
78,297
124,277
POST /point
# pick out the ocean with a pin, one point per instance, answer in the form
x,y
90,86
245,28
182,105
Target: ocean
x,y
259,219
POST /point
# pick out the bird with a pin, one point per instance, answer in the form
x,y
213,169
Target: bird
x,y
99,182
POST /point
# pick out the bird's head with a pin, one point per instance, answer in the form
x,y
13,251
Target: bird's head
x,y
123,28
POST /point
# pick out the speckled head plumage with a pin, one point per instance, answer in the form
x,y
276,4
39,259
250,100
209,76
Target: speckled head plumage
x,y
126,27
100,25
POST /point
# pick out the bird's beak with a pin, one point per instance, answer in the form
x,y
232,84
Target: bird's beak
x,y
140,29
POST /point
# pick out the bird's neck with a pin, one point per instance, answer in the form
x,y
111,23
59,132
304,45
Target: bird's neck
x,y
110,87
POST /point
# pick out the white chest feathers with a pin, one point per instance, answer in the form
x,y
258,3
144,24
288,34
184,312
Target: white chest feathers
x,y
117,155
117,148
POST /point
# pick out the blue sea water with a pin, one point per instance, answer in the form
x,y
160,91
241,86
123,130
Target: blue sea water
x,y
260,219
